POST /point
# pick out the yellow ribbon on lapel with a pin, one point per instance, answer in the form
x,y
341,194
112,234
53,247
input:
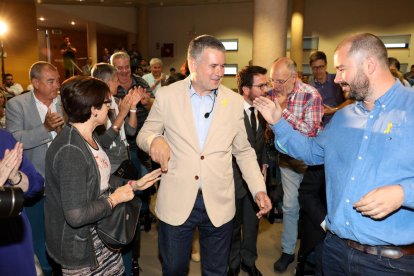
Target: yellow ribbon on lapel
x,y
224,102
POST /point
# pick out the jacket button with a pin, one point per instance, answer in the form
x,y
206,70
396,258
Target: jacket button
x,y
196,177
202,157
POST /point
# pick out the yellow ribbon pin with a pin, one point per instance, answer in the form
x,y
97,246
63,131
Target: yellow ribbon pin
x,y
389,127
224,102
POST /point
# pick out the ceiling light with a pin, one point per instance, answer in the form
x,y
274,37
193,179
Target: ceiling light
x,y
72,23
41,18
396,45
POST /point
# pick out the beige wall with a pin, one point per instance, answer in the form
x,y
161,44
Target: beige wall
x,y
20,42
331,22
179,25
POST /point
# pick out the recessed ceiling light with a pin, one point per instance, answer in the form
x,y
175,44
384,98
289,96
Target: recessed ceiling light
x,y
41,18
72,23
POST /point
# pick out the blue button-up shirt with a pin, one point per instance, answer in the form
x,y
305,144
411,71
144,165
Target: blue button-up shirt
x,y
363,150
202,105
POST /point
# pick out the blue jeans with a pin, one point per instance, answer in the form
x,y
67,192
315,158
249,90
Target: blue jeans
x,y
174,243
290,183
340,259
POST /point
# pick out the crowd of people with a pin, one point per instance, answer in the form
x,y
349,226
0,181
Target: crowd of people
x,y
344,158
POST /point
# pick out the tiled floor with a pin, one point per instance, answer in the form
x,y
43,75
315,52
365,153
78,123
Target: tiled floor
x,y
268,251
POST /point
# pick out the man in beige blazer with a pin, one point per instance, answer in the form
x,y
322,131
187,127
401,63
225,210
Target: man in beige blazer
x,y
193,129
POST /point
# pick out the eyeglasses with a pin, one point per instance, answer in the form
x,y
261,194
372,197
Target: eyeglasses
x,y
280,82
318,68
263,86
108,102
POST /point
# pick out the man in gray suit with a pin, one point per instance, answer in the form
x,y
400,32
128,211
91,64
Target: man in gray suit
x,y
34,119
251,82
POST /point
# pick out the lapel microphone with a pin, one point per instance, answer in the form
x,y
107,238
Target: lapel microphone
x,y
214,101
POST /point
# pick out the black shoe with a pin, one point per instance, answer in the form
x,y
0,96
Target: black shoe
x,y
233,272
136,269
251,270
283,262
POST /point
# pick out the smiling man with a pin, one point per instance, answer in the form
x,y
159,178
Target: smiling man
x,y
194,128
368,157
302,108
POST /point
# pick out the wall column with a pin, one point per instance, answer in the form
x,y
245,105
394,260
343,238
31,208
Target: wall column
x,y
296,43
269,31
91,41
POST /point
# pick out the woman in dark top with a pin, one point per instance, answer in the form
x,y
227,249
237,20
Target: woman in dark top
x,y
78,173
16,245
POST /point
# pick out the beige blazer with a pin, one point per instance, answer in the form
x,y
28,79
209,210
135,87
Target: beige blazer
x,y
171,116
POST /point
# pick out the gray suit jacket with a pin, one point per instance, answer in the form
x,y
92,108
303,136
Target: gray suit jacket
x,y
24,122
258,145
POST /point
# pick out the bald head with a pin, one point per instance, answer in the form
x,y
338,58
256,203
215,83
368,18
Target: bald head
x,y
285,63
283,75
362,46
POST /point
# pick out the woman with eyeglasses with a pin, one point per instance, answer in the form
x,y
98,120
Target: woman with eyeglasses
x,y
77,175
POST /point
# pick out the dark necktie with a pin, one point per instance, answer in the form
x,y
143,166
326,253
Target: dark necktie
x,y
253,121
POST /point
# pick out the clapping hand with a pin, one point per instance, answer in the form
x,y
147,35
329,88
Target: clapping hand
x,y
9,165
53,121
137,93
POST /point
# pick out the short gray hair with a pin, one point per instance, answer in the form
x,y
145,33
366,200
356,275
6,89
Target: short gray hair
x,y
289,63
119,55
37,67
103,71
155,61
198,44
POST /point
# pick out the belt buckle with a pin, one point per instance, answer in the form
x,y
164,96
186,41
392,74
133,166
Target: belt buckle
x,y
392,253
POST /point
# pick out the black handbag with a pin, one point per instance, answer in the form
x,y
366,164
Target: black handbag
x,y
118,229
127,170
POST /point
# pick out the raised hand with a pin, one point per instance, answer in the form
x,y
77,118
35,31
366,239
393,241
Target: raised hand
x,y
9,165
146,181
270,110
125,105
53,121
137,93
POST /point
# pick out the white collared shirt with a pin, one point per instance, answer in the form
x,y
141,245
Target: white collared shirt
x,y
42,109
248,112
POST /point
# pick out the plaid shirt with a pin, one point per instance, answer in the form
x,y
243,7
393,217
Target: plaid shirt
x,y
304,110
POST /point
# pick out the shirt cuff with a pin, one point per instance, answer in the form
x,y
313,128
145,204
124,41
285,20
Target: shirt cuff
x,y
408,189
323,225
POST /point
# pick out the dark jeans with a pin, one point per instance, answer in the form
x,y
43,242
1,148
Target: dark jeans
x,y
341,259
174,243
245,230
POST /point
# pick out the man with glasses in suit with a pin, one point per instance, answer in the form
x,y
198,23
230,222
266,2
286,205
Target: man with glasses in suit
x,y
251,83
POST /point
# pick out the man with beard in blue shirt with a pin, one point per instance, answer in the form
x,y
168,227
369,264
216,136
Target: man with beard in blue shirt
x,y
368,156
